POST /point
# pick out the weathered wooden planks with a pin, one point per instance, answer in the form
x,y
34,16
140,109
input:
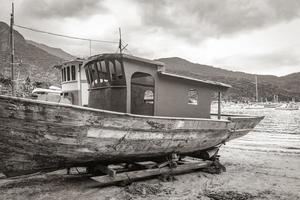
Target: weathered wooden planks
x,y
145,173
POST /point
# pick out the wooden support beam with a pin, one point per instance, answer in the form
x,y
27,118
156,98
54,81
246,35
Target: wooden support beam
x,y
105,170
141,174
145,164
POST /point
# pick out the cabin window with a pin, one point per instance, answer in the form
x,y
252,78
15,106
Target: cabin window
x,y
98,65
73,72
120,73
64,74
94,74
119,70
103,75
112,71
87,75
90,74
192,97
149,97
116,72
103,66
68,73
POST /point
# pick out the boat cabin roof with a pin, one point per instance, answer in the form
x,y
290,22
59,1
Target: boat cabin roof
x,y
124,57
78,60
215,83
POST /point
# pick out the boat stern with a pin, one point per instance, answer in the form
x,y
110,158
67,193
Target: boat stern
x,y
242,125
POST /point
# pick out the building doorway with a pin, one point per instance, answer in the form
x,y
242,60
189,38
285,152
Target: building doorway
x,y
142,94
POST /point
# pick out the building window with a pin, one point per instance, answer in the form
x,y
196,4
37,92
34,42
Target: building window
x,y
64,74
149,97
73,72
192,97
68,73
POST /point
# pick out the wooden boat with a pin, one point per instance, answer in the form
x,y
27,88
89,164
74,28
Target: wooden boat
x,y
43,136
271,105
288,106
137,112
254,106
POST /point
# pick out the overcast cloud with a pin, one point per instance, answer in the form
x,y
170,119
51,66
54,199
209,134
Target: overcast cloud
x,y
197,19
61,8
257,36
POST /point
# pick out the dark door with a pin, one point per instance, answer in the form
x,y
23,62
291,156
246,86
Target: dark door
x,y
142,94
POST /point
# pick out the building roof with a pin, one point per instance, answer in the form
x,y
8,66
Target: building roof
x,y
144,60
68,62
215,83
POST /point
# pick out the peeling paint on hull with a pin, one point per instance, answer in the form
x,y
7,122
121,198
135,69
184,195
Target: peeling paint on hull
x,y
41,136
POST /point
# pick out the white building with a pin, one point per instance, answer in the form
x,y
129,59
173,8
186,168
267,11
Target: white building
x,y
73,81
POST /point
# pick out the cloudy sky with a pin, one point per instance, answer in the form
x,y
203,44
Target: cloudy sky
x,y
255,36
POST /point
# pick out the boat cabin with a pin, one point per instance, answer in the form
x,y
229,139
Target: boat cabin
x,y
73,82
53,94
129,84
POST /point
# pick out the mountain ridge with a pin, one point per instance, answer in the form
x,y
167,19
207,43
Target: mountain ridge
x,y
36,61
30,60
52,50
243,84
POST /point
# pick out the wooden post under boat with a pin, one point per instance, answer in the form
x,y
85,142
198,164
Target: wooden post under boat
x,y
134,175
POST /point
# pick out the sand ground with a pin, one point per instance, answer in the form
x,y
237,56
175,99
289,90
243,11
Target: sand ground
x,y
259,166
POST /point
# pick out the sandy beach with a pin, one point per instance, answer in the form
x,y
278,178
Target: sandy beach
x,y
259,166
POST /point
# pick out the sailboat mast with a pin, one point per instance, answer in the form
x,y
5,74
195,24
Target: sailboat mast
x,y
12,50
256,90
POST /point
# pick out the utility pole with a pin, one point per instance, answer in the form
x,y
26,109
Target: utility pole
x,y
256,91
90,47
120,41
12,50
219,105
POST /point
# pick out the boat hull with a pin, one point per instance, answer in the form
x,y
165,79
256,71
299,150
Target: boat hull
x,y
41,136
